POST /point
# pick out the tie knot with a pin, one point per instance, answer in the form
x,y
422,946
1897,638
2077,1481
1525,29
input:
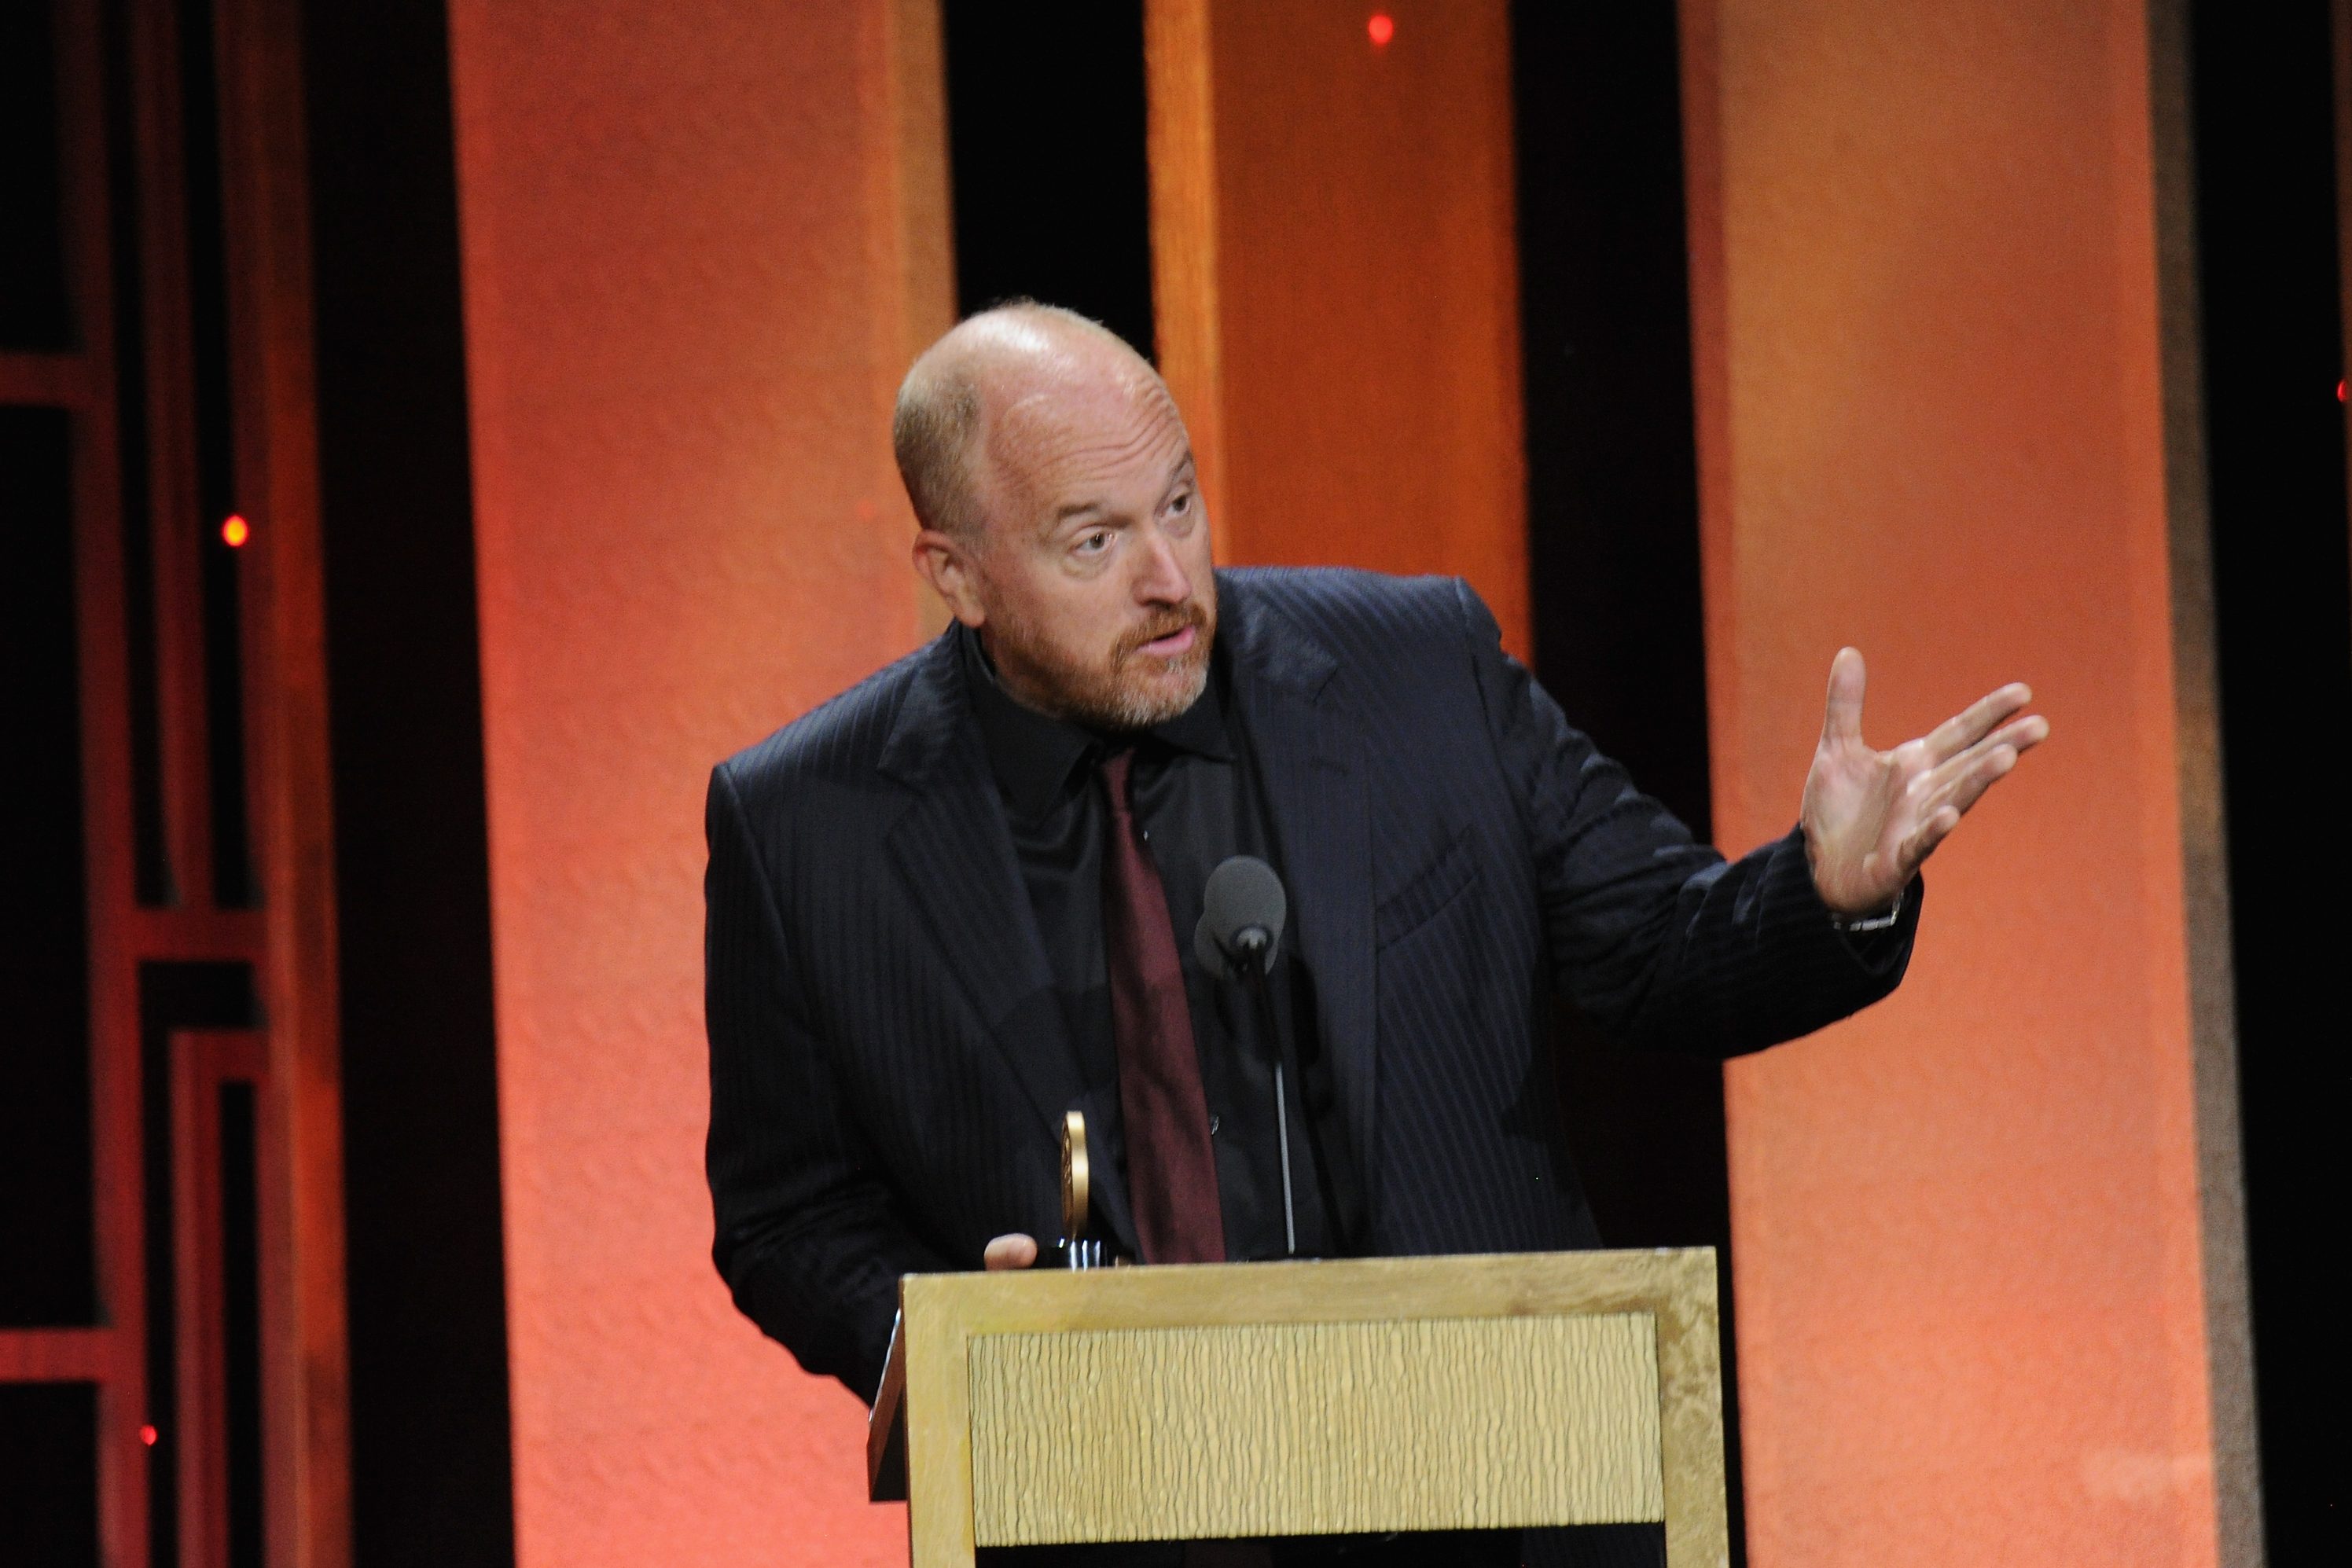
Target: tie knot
x,y
1116,767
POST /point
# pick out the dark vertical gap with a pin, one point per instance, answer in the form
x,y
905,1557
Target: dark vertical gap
x,y
240,1254
1613,462
171,996
1052,193
215,445
48,1250
2271,301
36,310
432,1478
150,868
48,1474
1613,555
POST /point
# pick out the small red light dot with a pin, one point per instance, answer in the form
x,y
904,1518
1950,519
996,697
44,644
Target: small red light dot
x,y
236,531
2339,392
147,1436
1383,28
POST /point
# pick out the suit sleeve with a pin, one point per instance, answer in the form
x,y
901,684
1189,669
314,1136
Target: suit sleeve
x,y
806,1238
1654,936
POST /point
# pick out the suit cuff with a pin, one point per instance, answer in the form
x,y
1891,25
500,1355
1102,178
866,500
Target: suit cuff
x,y
1879,946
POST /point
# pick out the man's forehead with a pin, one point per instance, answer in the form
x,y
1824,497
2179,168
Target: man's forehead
x,y
1093,420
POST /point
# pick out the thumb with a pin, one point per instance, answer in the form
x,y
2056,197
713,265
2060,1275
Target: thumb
x,y
1014,1251
1842,719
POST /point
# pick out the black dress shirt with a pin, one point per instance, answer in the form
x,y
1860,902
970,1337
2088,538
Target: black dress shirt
x,y
1196,796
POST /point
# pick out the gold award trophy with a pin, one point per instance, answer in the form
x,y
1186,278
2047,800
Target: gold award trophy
x,y
1078,1251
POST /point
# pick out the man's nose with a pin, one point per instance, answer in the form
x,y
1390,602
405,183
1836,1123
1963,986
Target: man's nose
x,y
1160,578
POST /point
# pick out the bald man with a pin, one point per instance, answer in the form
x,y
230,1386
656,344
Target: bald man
x,y
960,898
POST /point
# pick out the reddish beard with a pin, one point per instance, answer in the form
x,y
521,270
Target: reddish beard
x,y
1190,613
1121,692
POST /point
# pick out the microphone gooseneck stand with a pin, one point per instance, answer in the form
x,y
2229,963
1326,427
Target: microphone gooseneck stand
x,y
1250,952
1242,910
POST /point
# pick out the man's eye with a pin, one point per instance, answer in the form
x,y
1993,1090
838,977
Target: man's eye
x,y
1181,503
1094,543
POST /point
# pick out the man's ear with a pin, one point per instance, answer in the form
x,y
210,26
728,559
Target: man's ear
x,y
946,564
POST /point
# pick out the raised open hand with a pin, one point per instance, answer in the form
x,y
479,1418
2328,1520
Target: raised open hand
x,y
1871,817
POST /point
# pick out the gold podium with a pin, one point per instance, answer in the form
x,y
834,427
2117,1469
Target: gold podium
x,y
1260,1399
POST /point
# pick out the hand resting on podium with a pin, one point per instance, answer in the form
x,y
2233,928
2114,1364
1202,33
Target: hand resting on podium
x,y
1014,1251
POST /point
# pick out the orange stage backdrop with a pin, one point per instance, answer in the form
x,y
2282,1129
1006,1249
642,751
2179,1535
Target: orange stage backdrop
x,y
1933,424
702,239
1337,282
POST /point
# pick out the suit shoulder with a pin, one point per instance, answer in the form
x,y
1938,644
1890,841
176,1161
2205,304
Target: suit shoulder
x,y
1344,605
839,739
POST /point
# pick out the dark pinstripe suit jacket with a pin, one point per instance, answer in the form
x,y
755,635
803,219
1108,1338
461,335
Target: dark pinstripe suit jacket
x,y
889,1067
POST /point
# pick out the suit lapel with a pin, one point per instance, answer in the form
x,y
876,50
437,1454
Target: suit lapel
x,y
1310,757
954,856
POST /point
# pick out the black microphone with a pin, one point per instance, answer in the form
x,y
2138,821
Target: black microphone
x,y
1242,914
1242,911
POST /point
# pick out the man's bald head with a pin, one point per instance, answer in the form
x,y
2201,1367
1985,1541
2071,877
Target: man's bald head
x,y
999,360
1062,519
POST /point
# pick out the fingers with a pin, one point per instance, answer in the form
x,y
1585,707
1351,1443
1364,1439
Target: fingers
x,y
1973,723
1970,786
1014,1251
2016,739
2026,733
1958,784
1842,719
1933,831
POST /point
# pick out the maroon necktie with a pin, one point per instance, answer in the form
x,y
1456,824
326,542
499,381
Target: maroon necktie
x,y
1171,1170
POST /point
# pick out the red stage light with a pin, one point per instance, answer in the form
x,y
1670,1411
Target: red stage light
x,y
1382,27
2339,392
147,1436
236,531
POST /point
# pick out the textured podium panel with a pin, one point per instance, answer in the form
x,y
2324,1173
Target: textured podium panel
x,y
1315,1428
1203,1400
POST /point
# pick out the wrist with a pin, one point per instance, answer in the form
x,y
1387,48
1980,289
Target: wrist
x,y
1867,920
1869,917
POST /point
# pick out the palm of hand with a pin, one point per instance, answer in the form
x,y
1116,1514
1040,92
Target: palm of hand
x,y
1872,817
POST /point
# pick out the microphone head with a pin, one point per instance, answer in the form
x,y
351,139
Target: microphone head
x,y
1242,914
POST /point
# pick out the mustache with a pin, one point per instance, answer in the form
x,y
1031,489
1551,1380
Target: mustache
x,y
1166,625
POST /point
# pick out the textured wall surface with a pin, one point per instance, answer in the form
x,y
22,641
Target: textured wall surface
x,y
1967,1235
695,266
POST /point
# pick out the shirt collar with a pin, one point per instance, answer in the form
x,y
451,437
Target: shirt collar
x,y
1036,756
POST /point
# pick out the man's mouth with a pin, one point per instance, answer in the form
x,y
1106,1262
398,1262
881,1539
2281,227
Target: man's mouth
x,y
1173,645
1171,642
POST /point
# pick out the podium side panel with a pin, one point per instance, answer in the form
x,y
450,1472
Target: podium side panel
x,y
938,1425
1690,1375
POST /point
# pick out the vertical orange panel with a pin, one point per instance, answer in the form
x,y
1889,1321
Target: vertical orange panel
x,y
1337,282
1966,1223
702,239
